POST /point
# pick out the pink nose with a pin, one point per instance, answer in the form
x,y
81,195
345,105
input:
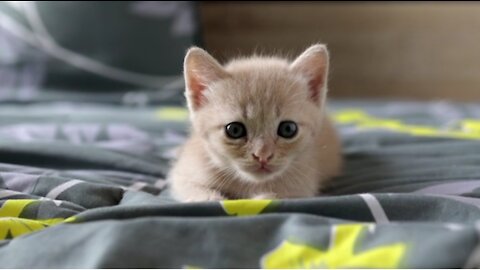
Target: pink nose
x,y
263,159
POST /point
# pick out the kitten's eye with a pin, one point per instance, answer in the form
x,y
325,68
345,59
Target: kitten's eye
x,y
235,130
287,129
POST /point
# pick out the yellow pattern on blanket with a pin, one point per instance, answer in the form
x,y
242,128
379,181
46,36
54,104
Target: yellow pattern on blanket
x,y
245,207
467,128
340,254
12,225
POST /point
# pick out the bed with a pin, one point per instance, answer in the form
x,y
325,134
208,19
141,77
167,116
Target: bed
x,y
82,185
82,180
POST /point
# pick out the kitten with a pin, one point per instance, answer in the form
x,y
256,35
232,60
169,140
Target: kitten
x,y
259,128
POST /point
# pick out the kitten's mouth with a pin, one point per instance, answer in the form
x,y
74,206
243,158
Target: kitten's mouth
x,y
256,172
264,169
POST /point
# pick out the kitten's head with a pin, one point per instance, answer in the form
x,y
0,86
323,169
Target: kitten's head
x,y
256,115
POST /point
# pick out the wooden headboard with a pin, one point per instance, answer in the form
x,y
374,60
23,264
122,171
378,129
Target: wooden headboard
x,y
420,50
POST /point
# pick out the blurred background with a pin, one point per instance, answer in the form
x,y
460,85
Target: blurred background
x,y
407,50
132,51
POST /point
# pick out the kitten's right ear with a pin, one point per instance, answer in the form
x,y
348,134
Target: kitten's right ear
x,y
312,64
200,70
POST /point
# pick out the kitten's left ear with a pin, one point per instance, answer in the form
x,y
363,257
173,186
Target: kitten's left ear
x,y
200,70
313,65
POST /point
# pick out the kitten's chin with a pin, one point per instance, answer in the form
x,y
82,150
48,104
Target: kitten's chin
x,y
256,175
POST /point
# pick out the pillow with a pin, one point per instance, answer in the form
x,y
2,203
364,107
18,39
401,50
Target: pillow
x,y
95,51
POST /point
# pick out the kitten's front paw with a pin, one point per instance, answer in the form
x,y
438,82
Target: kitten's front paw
x,y
205,196
265,196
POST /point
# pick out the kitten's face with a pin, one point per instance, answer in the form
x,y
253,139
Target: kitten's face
x,y
257,119
257,124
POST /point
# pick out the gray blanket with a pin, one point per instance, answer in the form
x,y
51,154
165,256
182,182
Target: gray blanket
x,y
82,186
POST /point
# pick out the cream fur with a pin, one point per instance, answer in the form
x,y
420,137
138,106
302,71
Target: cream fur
x,y
260,92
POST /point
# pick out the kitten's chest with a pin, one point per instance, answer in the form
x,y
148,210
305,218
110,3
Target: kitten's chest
x,y
279,188
243,190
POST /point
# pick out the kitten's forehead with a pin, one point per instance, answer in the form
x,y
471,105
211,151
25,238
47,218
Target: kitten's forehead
x,y
262,78
260,94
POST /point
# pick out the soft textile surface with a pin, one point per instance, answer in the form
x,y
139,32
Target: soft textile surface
x,y
83,186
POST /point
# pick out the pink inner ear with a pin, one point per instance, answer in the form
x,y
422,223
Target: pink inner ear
x,y
316,87
196,87
313,65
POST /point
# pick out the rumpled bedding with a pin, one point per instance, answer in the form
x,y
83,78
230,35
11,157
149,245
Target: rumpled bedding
x,y
83,186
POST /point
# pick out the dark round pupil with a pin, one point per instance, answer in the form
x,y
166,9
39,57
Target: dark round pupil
x,y
235,130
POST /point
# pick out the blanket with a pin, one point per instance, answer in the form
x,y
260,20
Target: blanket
x,y
83,186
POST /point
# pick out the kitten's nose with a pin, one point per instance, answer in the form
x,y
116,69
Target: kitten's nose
x,y
263,159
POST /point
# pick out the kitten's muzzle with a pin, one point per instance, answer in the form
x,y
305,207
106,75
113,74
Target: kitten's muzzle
x,y
262,159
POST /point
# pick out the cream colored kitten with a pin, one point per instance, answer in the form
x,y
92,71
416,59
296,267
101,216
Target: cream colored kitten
x,y
259,129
